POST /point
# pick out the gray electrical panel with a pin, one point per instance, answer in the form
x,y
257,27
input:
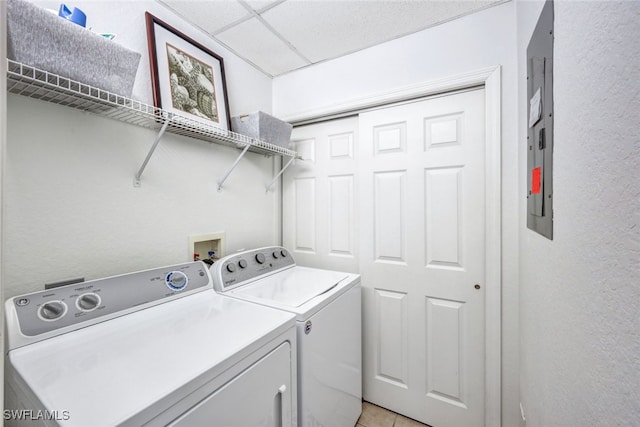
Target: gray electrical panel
x,y
540,125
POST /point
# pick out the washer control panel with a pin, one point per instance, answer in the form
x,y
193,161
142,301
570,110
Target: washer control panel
x,y
54,309
235,270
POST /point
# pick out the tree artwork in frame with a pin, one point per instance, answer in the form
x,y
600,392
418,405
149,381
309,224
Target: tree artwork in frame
x,y
188,78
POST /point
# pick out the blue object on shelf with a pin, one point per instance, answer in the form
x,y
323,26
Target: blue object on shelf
x,y
77,16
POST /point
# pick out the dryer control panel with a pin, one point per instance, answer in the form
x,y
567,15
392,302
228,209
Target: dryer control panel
x,y
68,307
242,267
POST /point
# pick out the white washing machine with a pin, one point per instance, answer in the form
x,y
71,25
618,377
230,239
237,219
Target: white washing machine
x,y
327,306
151,348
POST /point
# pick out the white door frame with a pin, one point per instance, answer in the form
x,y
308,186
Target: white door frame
x,y
491,79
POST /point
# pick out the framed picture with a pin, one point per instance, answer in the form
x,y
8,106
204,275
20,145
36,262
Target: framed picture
x,y
187,78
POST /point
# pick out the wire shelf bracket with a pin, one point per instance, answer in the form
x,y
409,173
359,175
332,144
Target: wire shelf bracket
x,y
222,180
275,178
136,179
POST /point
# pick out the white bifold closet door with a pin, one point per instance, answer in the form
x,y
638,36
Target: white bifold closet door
x,y
415,179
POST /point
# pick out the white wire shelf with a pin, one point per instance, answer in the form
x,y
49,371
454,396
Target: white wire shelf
x,y
34,83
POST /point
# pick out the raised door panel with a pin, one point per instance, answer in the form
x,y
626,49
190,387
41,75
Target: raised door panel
x,y
341,216
444,131
443,221
305,214
341,146
392,344
390,216
445,330
390,138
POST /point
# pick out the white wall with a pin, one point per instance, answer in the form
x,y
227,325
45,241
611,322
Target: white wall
x,y
579,294
3,144
70,205
484,39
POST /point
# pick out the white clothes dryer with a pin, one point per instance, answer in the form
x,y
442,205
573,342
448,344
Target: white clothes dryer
x,y
151,348
327,306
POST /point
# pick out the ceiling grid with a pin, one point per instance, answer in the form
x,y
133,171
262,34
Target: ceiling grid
x,y
284,35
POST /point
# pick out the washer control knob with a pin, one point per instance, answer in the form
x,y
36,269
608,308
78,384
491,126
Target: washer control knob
x,y
231,267
260,258
283,253
276,254
176,280
242,263
88,302
52,310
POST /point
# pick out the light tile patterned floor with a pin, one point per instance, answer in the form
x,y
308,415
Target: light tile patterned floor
x,y
375,416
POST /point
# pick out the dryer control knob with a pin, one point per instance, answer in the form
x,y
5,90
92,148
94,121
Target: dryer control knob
x,y
231,267
52,310
176,280
283,253
88,302
242,263
260,258
276,254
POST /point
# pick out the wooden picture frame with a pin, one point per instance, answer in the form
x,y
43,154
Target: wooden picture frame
x,y
188,78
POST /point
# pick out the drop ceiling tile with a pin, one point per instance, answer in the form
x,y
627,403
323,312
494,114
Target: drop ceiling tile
x,y
257,44
259,5
211,16
327,29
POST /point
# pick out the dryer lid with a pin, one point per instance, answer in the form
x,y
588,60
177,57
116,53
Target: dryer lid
x,y
292,287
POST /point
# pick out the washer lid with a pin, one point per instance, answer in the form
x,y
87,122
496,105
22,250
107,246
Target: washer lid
x,y
137,365
292,287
